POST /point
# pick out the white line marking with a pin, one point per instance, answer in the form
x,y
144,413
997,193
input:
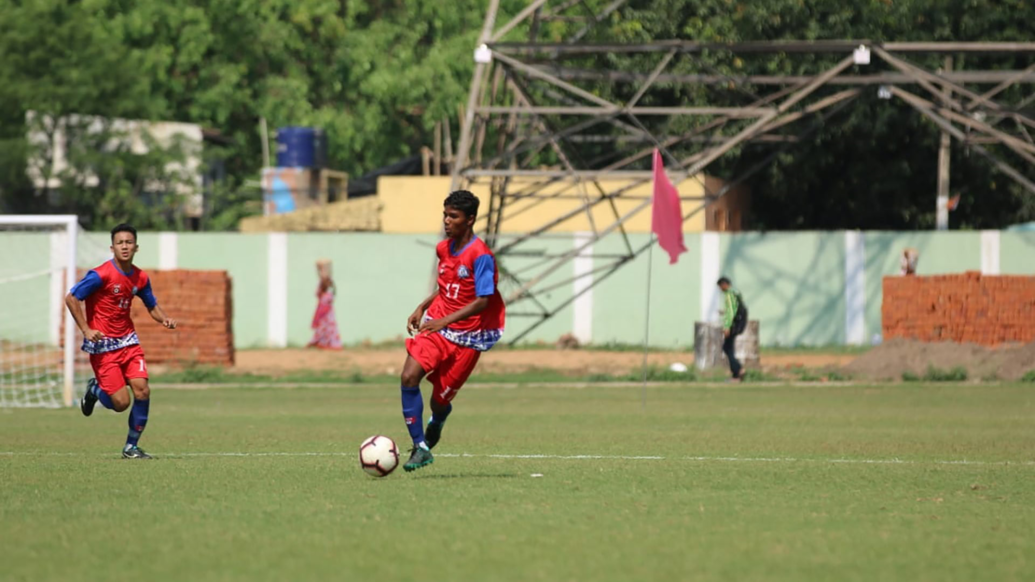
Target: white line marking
x,y
569,458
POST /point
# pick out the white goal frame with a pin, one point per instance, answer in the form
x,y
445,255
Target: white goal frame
x,y
70,223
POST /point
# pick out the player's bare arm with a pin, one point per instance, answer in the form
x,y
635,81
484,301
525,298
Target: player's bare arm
x,y
75,307
473,308
159,315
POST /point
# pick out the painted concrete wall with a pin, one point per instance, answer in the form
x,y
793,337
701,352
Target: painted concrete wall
x,y
806,288
413,204
793,283
1017,253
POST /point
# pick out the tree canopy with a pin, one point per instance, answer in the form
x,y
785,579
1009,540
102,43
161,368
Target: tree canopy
x,y
377,75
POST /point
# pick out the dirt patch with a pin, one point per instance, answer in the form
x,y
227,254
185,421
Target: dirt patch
x,y
572,362
891,360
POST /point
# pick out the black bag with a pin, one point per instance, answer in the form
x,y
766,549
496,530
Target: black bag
x,y
740,319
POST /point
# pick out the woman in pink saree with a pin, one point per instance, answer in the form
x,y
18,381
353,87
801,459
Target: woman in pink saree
x,y
325,326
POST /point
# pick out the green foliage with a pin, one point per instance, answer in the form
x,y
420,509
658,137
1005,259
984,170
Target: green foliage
x,y
957,374
378,75
835,376
908,376
756,375
1028,377
807,375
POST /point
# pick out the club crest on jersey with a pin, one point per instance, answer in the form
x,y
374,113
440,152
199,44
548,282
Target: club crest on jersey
x,y
115,290
462,272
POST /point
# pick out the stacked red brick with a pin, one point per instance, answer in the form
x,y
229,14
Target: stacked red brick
x,y
969,307
201,304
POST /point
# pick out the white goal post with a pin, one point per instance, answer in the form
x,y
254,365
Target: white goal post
x,y
34,371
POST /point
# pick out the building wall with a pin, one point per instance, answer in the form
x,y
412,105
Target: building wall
x,y
806,288
413,204
729,212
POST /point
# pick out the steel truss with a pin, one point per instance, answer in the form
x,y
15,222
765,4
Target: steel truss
x,y
534,101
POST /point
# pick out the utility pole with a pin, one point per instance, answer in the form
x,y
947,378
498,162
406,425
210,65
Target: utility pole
x,y
944,159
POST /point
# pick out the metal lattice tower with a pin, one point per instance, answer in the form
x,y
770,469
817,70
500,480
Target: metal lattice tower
x,y
554,120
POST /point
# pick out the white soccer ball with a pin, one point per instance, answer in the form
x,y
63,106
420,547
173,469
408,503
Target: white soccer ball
x,y
378,456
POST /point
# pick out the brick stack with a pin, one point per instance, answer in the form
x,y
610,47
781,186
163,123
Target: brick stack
x,y
201,304
969,307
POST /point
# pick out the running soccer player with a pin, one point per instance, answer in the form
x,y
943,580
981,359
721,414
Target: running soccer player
x,y
109,336
464,318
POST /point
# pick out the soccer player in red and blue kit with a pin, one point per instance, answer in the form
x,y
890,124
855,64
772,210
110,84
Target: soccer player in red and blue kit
x,y
464,318
109,336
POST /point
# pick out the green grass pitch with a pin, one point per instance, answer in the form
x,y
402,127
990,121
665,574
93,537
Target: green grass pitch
x,y
777,482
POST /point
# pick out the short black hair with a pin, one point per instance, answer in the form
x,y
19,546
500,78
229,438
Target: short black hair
x,y
123,228
723,280
463,201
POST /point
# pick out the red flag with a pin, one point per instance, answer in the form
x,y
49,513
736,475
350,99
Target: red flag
x,y
667,217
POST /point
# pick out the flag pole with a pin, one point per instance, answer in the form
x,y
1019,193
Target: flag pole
x,y
646,330
666,227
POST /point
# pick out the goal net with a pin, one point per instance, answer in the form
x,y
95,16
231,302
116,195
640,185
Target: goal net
x,y
40,361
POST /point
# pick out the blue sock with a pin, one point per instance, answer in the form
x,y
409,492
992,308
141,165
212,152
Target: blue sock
x,y
137,420
102,397
413,412
440,418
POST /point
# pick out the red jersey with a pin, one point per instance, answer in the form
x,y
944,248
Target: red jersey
x,y
108,293
464,275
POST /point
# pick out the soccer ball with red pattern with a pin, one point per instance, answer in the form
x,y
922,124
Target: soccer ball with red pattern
x,y
378,456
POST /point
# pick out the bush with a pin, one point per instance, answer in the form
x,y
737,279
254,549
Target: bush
x,y
753,375
806,375
1029,377
957,374
908,376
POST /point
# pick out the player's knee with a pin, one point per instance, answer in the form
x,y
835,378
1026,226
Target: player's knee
x,y
119,404
142,392
410,378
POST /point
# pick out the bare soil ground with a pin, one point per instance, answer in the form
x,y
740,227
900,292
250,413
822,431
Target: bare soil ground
x,y
890,360
575,362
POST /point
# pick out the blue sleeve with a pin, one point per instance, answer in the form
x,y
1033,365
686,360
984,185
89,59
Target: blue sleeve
x,y
484,276
90,283
147,296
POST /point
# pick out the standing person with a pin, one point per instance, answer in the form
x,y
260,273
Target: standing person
x,y
464,318
325,325
734,321
110,338
910,258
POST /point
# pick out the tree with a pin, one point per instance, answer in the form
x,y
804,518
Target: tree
x,y
378,75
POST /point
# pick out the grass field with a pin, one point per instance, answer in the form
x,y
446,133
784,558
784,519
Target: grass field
x,y
778,482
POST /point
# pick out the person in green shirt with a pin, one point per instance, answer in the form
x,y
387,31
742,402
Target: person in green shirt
x,y
734,320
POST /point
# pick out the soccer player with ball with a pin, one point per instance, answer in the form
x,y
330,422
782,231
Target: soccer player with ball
x,y
109,337
464,317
